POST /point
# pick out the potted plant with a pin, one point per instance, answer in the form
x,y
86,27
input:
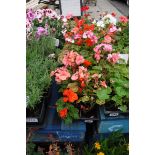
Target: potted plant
x,y
87,61
40,59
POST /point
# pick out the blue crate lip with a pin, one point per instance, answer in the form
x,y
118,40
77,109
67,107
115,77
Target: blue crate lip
x,y
104,114
113,123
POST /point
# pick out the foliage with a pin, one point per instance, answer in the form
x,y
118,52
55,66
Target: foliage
x,y
38,66
30,149
115,144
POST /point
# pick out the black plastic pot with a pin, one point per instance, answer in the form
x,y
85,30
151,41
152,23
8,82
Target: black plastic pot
x,y
36,116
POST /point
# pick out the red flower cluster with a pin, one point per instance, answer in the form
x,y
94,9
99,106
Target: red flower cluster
x,y
69,96
63,113
84,8
87,63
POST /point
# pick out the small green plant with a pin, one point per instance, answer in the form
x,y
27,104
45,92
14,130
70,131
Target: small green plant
x,y
30,149
115,144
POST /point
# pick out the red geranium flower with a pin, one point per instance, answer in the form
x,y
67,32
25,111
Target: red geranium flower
x,y
89,42
69,96
89,27
85,8
63,113
87,63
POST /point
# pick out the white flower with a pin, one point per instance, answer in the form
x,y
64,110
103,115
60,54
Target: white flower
x,y
94,21
64,19
84,35
109,19
52,55
100,23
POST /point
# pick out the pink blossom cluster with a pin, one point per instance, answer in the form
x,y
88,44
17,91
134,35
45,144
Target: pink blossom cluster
x,y
39,15
41,31
113,58
82,73
113,29
123,19
28,26
90,35
72,58
61,74
97,49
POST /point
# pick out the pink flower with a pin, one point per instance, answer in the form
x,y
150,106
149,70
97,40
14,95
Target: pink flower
x,y
83,73
61,74
123,19
107,39
69,16
77,36
41,31
75,76
79,59
113,58
113,29
72,58
75,30
97,55
107,47
103,83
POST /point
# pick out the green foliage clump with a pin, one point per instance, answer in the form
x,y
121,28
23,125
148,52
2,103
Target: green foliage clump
x,y
38,67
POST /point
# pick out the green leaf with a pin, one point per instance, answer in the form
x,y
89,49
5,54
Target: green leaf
x,y
103,93
123,108
121,91
97,68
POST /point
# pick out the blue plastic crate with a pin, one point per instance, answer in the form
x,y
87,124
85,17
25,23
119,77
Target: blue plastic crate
x,y
109,124
56,130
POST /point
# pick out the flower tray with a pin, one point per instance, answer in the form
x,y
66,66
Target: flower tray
x,y
108,124
56,130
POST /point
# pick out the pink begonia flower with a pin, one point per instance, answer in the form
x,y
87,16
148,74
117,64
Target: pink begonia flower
x,y
123,19
107,39
107,47
94,39
75,76
77,36
97,55
69,16
83,73
72,58
103,83
113,58
75,30
79,59
61,74
113,29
